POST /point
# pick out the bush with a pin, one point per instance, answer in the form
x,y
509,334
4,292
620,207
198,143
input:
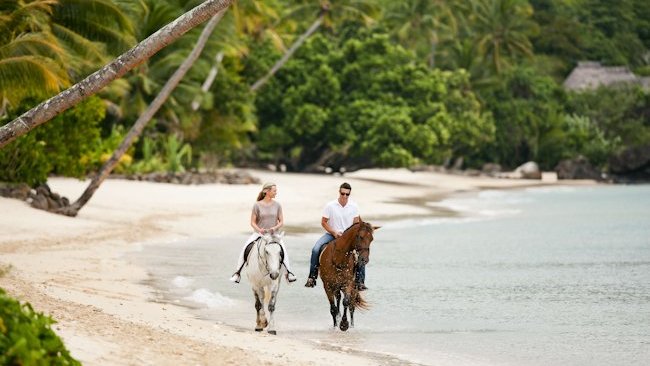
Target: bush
x,y
26,337
60,146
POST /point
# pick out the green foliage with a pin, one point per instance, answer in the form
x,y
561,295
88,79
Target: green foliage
x,y
527,110
26,336
585,138
224,131
149,161
59,147
165,154
621,113
367,102
176,153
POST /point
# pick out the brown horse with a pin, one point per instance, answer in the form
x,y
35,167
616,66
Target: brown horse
x,y
337,270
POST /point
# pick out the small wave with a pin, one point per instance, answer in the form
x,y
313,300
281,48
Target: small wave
x,y
408,223
488,201
182,281
560,189
212,300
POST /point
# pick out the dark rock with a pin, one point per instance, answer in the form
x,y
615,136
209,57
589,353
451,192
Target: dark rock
x,y
18,191
630,165
577,168
194,177
39,201
491,169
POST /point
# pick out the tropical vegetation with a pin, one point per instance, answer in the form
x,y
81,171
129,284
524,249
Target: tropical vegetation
x,y
314,83
27,338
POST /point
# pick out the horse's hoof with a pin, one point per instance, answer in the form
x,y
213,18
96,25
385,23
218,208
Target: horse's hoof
x,y
344,326
273,332
258,329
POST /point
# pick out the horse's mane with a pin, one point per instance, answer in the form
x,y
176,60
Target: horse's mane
x,y
358,223
351,226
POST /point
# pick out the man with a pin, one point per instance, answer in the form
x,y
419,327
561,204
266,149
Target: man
x,y
338,215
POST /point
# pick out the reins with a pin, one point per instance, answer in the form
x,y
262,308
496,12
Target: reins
x,y
355,250
262,258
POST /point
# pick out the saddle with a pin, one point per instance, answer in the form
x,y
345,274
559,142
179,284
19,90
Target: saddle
x,y
249,247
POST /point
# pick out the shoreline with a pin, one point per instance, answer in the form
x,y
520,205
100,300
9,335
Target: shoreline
x,y
74,268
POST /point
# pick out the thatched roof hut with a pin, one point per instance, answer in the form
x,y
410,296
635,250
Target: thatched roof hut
x,y
591,75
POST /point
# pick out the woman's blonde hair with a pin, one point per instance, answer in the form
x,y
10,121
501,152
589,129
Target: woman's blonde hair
x,y
265,188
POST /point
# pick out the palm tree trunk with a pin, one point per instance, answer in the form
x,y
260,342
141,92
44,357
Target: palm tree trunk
x,y
209,80
142,121
118,67
259,83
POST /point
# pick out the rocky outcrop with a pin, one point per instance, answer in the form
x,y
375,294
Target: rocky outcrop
x,y
224,177
40,197
631,165
577,168
491,169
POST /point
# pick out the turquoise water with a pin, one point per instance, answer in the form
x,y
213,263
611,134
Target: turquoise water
x,y
546,276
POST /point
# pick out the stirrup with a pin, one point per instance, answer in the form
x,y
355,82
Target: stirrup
x,y
235,278
291,277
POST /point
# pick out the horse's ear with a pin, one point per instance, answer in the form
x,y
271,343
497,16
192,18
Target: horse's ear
x,y
280,234
376,228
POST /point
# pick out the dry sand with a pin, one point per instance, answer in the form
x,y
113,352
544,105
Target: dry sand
x,y
74,268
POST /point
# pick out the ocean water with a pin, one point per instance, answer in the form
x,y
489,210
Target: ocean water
x,y
543,276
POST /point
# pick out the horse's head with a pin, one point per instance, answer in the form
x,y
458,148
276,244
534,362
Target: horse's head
x,y
363,241
273,254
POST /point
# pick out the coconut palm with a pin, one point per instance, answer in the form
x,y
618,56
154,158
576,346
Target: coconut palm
x,y
91,31
502,28
31,59
142,121
115,69
419,24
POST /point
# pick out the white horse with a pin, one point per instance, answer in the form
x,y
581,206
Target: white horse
x,y
264,271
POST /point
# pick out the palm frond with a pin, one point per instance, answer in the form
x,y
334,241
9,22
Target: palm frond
x,y
30,75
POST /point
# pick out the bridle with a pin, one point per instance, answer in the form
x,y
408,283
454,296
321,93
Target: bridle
x,y
356,249
262,257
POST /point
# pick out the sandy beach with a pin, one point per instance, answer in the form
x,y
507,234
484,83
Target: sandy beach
x,y
74,268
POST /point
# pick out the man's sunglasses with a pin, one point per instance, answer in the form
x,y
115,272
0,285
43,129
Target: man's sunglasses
x,y
344,194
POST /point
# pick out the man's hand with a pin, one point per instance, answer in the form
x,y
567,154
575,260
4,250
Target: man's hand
x,y
338,234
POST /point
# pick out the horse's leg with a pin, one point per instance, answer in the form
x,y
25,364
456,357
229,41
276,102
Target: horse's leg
x,y
352,302
344,321
273,288
261,318
338,305
333,308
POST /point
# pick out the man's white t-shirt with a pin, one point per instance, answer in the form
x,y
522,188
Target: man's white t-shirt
x,y
340,217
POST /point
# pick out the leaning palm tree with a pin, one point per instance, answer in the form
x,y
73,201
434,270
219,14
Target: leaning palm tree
x,y
326,12
142,121
118,67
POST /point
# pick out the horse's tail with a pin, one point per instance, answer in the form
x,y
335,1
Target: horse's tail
x,y
359,302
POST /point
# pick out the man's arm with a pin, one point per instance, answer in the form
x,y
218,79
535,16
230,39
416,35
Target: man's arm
x,y
324,223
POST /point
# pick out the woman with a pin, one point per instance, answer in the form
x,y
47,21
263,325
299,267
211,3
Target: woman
x,y
265,218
